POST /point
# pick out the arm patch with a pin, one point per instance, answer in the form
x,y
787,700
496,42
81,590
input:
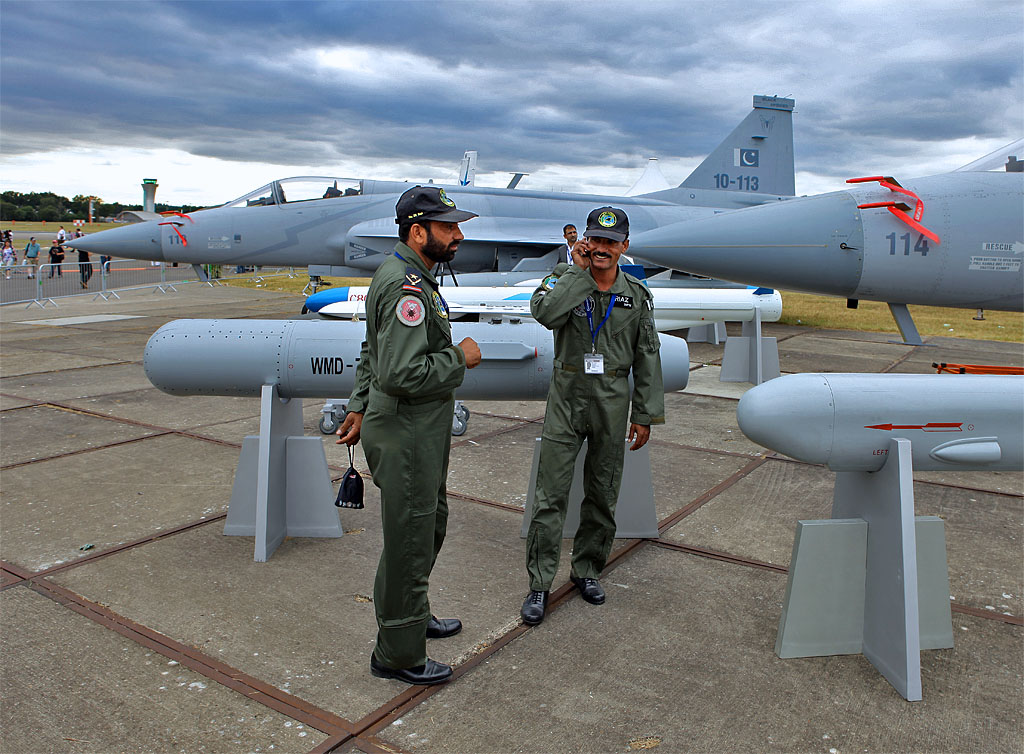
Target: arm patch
x,y
410,310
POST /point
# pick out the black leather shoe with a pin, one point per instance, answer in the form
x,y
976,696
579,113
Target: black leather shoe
x,y
442,628
533,608
590,590
421,675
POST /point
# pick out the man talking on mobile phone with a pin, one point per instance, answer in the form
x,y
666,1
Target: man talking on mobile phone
x,y
603,324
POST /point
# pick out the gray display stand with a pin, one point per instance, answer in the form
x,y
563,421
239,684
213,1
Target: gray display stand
x,y
713,333
871,579
282,484
635,515
750,357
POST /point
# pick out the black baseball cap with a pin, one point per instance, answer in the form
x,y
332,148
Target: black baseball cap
x,y
429,203
607,222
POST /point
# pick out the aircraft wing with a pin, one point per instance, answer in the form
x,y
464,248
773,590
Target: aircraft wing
x,y
500,230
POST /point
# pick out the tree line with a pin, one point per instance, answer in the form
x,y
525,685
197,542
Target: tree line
x,y
34,207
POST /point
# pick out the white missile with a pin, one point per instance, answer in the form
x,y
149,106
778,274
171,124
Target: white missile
x,y
845,421
317,358
674,308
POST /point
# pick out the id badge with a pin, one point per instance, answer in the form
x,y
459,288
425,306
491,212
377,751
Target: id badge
x,y
593,363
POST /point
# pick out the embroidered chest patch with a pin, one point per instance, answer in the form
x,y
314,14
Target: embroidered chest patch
x,y
581,310
440,305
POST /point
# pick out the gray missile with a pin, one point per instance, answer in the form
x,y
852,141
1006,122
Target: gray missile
x,y
845,421
317,358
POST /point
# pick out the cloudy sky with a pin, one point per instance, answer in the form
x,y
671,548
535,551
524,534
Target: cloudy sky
x,y
216,98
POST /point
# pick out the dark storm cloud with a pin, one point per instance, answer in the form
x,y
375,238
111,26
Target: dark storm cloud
x,y
525,83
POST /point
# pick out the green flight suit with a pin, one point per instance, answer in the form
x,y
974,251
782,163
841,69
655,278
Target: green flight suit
x,y
405,382
594,407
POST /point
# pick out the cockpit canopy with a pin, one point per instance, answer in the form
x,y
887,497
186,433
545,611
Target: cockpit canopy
x,y
1005,158
299,189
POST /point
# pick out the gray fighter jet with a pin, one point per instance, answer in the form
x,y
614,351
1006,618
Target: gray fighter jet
x,y
346,227
955,240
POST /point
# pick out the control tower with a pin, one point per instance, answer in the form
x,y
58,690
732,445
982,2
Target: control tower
x,y
149,194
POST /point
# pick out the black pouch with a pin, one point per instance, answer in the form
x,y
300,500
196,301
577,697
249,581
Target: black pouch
x,y
350,494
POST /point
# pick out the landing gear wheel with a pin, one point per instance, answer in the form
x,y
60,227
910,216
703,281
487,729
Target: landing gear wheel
x,y
329,424
458,426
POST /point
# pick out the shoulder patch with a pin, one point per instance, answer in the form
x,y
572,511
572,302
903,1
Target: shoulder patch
x,y
410,311
549,282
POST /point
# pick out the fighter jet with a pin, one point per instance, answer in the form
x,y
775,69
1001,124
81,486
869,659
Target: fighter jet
x,y
955,240
345,227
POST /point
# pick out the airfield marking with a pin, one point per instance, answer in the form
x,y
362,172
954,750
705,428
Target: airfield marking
x,y
904,357
192,658
128,545
725,557
70,453
710,494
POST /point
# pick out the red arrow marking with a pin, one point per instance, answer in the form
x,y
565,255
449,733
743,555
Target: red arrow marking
x,y
929,427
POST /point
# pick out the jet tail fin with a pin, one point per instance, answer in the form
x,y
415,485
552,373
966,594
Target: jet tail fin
x,y
467,169
756,157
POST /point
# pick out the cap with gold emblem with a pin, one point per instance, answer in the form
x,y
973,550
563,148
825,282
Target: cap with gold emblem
x,y
429,203
608,222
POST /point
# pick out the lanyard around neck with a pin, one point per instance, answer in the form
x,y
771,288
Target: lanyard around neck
x,y
588,307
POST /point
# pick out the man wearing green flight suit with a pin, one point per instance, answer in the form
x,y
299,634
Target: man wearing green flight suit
x,y
603,322
402,408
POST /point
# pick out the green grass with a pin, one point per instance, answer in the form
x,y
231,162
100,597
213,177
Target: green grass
x,y
806,310
51,228
827,312
291,285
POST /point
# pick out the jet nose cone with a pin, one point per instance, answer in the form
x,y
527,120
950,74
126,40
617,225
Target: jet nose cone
x,y
136,241
794,415
675,363
793,244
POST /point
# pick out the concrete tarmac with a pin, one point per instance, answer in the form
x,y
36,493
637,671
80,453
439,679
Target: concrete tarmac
x,y
130,623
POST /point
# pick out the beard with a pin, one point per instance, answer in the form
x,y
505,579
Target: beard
x,y
437,251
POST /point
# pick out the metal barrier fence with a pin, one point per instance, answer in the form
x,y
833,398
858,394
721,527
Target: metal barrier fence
x,y
104,280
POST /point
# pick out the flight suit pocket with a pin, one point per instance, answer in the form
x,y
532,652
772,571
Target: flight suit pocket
x,y
624,322
649,339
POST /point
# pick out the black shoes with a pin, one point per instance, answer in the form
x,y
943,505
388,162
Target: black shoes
x,y
533,608
422,675
442,628
536,603
590,589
